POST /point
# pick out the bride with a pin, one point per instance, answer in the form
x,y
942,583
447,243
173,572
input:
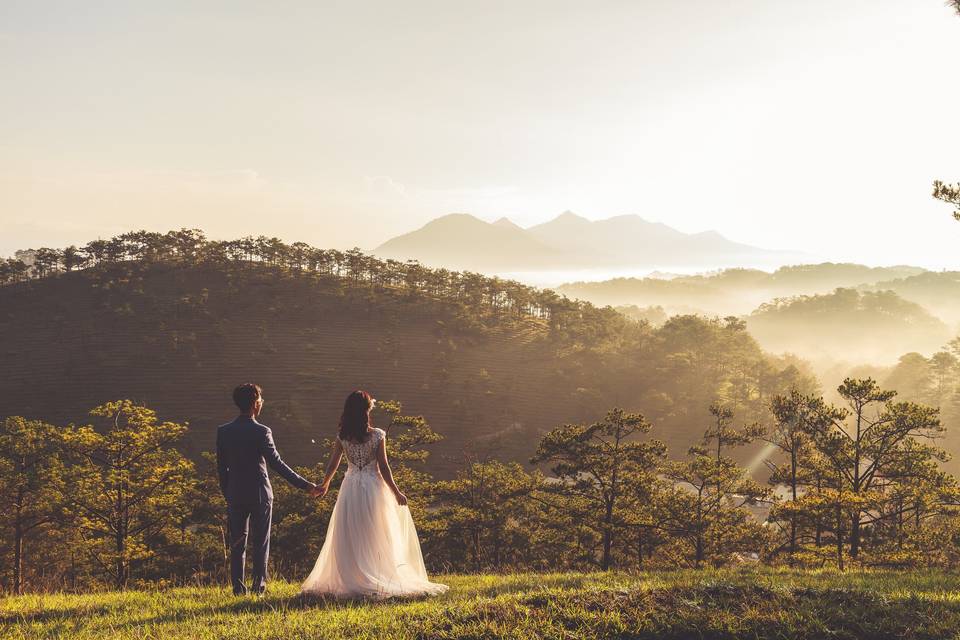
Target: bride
x,y
371,548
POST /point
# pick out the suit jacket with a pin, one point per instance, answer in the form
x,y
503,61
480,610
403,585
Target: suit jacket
x,y
244,449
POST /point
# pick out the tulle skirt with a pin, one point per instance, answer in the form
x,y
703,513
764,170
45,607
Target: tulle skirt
x,y
371,548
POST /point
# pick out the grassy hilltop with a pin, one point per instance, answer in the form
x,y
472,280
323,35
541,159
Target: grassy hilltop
x,y
685,604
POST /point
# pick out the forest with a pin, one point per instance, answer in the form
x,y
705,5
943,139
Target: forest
x,y
170,333
830,314
715,454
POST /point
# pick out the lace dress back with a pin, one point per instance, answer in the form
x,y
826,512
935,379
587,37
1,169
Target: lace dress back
x,y
362,456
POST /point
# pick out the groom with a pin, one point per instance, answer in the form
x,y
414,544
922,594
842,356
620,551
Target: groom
x,y
244,449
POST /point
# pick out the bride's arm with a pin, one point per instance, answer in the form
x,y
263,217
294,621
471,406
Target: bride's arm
x,y
387,473
336,454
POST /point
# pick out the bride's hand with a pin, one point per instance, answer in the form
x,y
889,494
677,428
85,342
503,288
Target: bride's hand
x,y
401,499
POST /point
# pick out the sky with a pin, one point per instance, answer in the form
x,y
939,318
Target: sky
x,y
815,126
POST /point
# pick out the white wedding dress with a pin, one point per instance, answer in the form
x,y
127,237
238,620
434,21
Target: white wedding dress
x,y
371,548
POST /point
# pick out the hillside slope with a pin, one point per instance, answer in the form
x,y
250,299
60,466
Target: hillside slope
x,y
179,341
178,338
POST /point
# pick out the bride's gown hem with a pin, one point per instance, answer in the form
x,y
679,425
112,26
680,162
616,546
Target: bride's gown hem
x,y
371,549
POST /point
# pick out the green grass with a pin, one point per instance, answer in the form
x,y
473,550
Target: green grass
x,y
684,604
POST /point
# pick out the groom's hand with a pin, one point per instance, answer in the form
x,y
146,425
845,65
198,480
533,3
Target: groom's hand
x,y
318,491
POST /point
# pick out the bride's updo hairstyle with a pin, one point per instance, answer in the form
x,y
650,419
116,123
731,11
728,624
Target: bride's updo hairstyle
x,y
355,419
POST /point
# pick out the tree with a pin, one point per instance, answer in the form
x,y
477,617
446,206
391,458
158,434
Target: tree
x,y
864,441
949,193
691,512
944,367
72,258
795,417
917,492
409,437
46,261
911,377
131,484
13,270
705,504
95,251
723,434
31,483
186,244
596,464
192,545
300,522
485,513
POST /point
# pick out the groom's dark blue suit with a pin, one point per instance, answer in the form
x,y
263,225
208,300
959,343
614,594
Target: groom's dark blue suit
x,y
244,449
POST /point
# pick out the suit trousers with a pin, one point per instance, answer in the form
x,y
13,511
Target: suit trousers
x,y
255,519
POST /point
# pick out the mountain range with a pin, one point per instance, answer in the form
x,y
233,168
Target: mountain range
x,y
463,241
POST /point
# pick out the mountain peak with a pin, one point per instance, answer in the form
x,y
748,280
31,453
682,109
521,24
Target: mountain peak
x,y
711,235
569,216
506,222
464,241
455,218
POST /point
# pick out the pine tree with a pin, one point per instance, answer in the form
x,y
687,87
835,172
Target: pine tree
x,y
863,442
949,193
130,486
596,465
31,485
486,514
795,417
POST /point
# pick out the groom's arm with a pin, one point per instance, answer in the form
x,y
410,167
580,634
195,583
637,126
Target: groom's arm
x,y
222,469
272,456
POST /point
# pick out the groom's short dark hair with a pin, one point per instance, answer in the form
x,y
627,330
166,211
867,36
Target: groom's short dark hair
x,y
246,395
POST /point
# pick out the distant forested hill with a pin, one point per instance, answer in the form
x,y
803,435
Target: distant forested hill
x,y
937,291
826,312
738,291
869,326
489,363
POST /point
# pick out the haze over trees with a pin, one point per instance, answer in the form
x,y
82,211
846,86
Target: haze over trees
x,y
733,291
485,358
857,315
647,441
869,326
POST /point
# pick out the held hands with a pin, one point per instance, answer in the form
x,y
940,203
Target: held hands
x,y
320,490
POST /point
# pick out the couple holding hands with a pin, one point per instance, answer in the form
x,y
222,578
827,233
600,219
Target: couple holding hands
x,y
371,547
